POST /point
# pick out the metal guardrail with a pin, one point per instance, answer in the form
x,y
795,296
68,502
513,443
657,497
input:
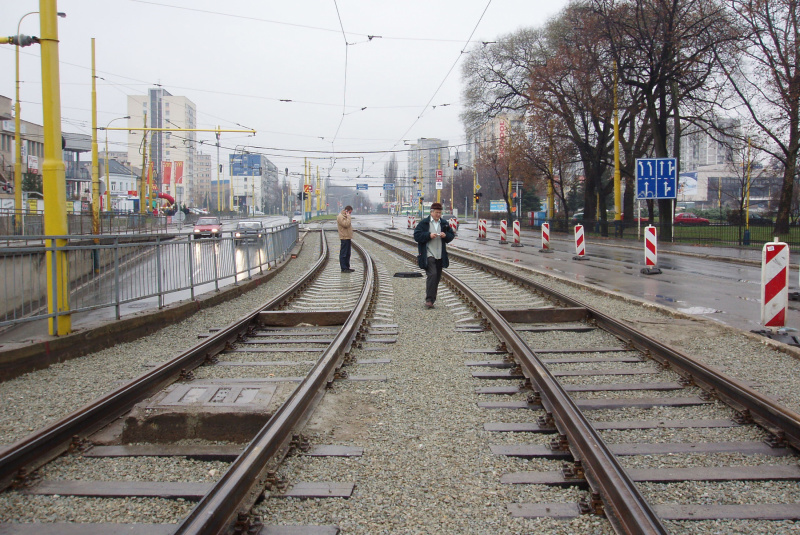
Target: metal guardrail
x,y
113,274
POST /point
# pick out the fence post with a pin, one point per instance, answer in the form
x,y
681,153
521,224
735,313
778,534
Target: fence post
x,y
158,266
191,267
233,261
216,265
116,276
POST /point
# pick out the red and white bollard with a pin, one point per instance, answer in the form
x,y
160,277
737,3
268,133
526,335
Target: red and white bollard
x,y
774,284
545,239
454,224
650,251
517,241
413,221
580,243
409,222
392,225
482,229
503,232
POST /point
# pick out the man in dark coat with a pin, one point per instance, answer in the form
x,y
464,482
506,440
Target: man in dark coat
x,y
432,234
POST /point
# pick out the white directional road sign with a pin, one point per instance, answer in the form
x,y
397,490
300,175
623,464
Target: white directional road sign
x,y
656,178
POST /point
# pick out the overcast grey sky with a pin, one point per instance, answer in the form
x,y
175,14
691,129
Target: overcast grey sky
x,y
236,60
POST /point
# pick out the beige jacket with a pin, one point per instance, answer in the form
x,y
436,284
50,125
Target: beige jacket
x,y
344,225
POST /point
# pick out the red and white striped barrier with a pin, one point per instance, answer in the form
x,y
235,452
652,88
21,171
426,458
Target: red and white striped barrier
x,y
545,239
454,224
413,221
503,232
409,222
482,229
517,241
392,225
774,284
650,251
580,243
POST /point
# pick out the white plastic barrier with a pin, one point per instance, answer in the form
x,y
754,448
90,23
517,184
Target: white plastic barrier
x,y
517,239
545,237
580,243
503,231
774,284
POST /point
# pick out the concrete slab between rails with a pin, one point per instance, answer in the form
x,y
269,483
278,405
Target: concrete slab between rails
x,y
19,358
230,410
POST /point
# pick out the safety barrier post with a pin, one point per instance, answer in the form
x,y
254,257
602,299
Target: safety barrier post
x,y
580,244
774,284
650,251
454,224
517,241
503,231
545,239
409,222
392,225
482,230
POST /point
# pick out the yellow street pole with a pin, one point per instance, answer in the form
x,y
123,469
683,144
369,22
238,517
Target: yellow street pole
x,y
54,178
747,202
617,180
219,188
95,163
142,182
439,168
319,191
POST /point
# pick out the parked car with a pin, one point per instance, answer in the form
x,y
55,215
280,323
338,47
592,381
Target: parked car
x,y
297,218
759,220
249,231
576,218
209,227
687,218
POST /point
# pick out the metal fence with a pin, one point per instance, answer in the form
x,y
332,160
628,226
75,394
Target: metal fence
x,y
32,223
114,273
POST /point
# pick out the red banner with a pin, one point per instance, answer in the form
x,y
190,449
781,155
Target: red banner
x,y
167,172
179,172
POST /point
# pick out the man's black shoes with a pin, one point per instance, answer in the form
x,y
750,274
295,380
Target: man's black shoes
x,y
348,270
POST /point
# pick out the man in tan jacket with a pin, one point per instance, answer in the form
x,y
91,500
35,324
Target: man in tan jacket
x,y
345,226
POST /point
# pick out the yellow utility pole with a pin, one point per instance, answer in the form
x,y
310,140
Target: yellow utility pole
x,y
95,163
617,181
54,178
439,168
142,182
319,191
219,188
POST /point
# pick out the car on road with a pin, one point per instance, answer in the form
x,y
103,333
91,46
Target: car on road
x,y
688,218
207,227
759,220
249,231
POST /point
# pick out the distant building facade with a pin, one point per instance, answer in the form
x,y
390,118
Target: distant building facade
x,y
425,157
165,110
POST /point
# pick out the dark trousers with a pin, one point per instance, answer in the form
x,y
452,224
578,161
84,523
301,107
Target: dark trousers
x,y
434,271
344,254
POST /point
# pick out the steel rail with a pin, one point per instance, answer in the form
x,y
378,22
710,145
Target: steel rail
x,y
32,451
778,419
241,484
627,510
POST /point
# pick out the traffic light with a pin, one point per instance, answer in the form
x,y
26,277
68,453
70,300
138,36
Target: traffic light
x,y
22,40
415,180
301,196
455,164
478,197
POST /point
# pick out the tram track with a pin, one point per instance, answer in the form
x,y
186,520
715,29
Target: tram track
x,y
598,466
288,400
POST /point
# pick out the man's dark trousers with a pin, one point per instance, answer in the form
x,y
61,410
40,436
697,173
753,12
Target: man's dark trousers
x,y
434,271
344,254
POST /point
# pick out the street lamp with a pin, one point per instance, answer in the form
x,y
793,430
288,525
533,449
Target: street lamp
x,y
18,136
108,187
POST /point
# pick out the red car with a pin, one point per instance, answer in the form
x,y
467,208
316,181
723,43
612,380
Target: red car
x,y
689,219
207,226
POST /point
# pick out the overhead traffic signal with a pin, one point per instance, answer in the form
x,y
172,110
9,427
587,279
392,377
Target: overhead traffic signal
x,y
415,180
455,164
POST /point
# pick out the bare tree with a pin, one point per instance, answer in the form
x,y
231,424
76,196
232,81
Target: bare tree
x,y
767,85
667,51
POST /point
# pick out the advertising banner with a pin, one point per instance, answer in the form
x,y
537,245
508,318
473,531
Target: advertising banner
x,y
179,172
166,172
